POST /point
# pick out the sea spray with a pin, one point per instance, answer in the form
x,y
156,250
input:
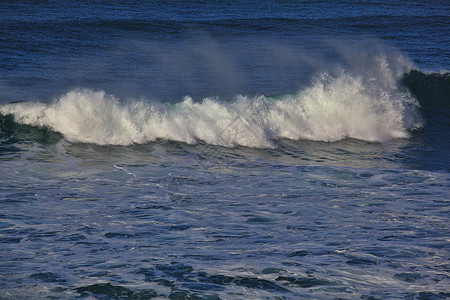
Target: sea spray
x,y
367,105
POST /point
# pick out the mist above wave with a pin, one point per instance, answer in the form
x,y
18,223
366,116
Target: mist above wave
x,y
361,100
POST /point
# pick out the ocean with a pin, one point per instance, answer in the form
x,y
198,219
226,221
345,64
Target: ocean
x,y
224,149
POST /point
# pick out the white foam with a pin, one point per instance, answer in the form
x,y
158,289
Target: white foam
x,y
364,105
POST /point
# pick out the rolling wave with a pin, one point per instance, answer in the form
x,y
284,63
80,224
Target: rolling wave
x,y
367,105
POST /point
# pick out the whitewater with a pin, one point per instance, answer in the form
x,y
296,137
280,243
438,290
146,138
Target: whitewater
x,y
368,105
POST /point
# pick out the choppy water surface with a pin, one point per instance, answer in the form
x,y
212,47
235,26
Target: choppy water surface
x,y
174,220
246,151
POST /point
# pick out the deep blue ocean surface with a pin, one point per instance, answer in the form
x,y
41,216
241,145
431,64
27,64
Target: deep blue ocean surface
x,y
224,149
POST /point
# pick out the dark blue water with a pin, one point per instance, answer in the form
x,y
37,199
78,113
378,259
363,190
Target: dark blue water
x,y
224,150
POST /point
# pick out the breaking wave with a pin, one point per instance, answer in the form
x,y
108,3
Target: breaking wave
x,y
369,104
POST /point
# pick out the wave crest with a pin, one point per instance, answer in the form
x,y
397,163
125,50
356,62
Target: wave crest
x,y
366,105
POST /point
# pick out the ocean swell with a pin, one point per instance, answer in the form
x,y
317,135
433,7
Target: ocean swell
x,y
367,105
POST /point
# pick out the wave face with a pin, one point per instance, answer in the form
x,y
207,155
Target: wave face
x,y
367,105
433,92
